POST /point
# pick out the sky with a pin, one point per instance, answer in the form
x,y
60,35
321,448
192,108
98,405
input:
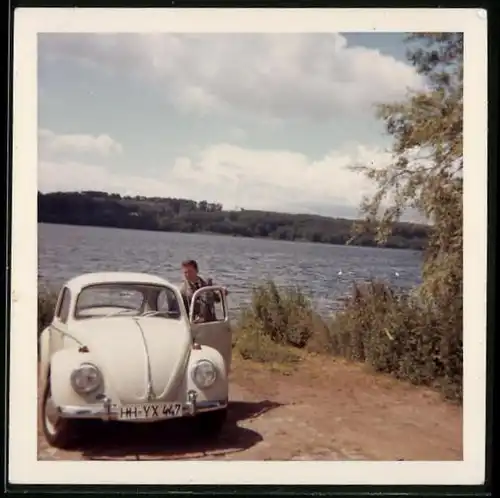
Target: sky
x,y
254,121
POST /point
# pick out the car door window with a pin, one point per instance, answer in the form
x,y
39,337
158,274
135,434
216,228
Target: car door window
x,y
209,306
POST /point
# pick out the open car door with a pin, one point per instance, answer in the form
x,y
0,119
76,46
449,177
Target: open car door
x,y
216,332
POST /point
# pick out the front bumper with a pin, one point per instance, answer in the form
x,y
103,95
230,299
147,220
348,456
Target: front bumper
x,y
107,410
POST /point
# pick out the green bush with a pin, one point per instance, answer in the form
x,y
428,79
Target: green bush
x,y
278,323
47,299
401,335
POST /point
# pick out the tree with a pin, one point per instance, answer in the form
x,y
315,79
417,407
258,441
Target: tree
x,y
426,171
156,213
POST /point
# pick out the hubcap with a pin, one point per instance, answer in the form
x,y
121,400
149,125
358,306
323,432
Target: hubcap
x,y
50,414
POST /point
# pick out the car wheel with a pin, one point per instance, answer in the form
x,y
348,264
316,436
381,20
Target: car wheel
x,y
210,424
58,431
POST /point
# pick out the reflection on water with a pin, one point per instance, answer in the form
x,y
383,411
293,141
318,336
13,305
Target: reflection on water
x,y
325,272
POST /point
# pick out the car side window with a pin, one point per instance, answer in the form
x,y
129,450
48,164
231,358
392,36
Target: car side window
x,y
63,310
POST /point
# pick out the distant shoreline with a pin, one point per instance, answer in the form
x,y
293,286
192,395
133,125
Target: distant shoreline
x,y
215,234
99,209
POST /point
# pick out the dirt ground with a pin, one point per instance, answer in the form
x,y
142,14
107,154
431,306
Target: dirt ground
x,y
324,410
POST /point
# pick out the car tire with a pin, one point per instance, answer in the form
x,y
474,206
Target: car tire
x,y
210,424
59,432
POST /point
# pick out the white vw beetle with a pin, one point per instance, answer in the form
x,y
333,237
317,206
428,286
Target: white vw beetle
x,y
122,347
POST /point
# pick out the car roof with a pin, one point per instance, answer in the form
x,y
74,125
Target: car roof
x,y
86,279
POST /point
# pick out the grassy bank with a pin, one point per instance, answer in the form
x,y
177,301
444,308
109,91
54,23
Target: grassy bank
x,y
392,333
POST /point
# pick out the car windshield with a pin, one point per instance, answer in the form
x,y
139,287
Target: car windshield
x,y
127,299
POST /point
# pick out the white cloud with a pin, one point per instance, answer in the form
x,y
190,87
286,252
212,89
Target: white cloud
x,y
237,134
276,179
50,143
275,75
279,180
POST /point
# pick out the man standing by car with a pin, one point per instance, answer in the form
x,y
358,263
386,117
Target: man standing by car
x,y
204,309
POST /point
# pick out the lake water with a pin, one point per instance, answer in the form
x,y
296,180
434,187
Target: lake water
x,y
324,272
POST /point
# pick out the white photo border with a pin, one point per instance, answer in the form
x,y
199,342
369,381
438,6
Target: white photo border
x,y
24,468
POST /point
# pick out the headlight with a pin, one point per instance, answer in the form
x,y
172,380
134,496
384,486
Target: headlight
x,y
204,374
86,378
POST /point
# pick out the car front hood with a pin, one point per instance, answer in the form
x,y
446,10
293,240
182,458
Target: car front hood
x,y
138,355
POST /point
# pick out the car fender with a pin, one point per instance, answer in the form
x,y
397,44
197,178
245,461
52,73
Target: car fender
x,y
62,364
219,390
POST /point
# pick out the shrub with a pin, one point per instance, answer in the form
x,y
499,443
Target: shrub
x,y
47,299
276,321
286,316
401,335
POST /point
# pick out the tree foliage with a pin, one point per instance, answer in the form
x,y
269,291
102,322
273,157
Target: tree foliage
x,y
184,215
426,171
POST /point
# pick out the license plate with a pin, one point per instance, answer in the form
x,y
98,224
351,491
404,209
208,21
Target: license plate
x,y
149,411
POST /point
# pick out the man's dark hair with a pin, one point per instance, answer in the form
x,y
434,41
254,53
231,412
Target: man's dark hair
x,y
190,262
